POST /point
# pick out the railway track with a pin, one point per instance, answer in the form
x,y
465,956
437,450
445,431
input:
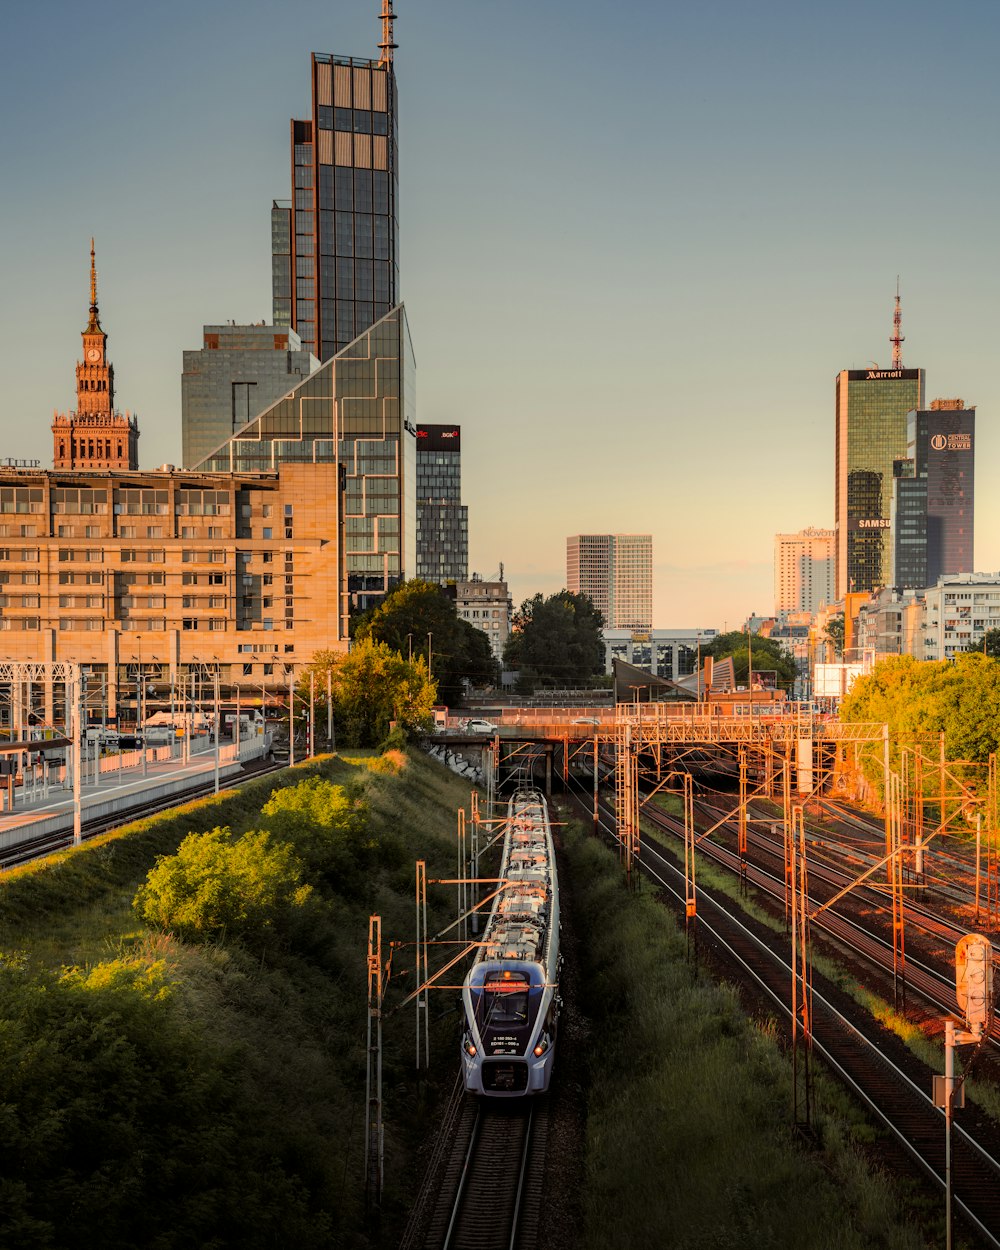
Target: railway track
x,y
893,1085
864,933
483,1189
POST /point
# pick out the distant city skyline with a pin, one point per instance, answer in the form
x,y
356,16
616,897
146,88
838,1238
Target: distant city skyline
x,y
637,323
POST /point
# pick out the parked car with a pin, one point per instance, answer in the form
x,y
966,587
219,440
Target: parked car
x,y
481,727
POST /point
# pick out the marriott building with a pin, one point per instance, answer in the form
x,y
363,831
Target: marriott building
x,y
872,407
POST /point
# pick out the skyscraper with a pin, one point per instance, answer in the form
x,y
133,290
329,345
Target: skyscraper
x,y
934,504
614,571
240,371
95,436
357,411
335,243
804,570
442,518
871,409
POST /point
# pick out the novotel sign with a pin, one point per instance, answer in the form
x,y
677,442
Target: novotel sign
x,y
11,463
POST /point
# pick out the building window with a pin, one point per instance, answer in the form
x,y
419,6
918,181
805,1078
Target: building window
x,y
189,622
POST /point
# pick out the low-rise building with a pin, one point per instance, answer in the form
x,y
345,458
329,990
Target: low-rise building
x,y
959,610
488,606
668,653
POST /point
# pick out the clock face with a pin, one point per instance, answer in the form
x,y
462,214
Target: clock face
x,y
93,353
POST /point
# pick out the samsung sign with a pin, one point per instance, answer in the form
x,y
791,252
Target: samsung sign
x,y
866,523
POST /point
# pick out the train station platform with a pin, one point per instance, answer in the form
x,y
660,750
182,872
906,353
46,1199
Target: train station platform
x,y
46,808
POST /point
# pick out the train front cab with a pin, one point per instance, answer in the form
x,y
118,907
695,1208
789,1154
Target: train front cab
x,y
510,1021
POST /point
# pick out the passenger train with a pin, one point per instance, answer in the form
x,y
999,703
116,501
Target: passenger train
x,y
511,995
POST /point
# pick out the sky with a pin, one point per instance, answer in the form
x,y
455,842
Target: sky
x,y
637,243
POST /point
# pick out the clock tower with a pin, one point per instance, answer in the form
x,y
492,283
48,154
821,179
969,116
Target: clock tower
x,y
95,436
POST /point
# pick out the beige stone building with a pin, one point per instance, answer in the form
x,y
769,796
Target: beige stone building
x,y
175,575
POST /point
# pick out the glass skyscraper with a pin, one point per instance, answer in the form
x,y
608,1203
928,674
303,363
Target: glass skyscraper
x,y
335,243
872,405
935,496
358,410
442,518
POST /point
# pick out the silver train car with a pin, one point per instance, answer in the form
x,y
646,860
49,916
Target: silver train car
x,y
511,995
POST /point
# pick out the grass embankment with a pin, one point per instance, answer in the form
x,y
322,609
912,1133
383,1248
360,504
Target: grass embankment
x,y
688,1138
211,1093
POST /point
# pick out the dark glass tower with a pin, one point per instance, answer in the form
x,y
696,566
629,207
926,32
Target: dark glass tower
x,y
334,245
935,495
442,518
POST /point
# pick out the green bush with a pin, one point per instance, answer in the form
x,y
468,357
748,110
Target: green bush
x,y
217,885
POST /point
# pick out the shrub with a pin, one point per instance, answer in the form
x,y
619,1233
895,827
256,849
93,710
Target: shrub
x,y
217,885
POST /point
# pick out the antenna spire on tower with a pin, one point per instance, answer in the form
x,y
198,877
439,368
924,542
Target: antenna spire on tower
x,y
386,45
896,338
95,321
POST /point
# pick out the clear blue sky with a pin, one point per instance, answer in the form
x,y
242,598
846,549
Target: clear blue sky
x,y
637,242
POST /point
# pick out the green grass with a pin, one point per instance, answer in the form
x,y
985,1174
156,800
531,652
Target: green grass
x,y
688,1138
260,1141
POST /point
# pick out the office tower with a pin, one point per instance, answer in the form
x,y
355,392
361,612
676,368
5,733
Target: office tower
x,y
334,244
358,412
871,408
934,504
239,371
95,436
442,519
614,571
804,566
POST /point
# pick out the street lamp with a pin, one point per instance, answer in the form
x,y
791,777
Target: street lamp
x,y
217,720
139,694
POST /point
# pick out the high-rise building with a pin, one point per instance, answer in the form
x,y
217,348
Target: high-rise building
x,y
804,565
95,436
933,508
442,518
334,244
871,408
239,371
614,571
357,411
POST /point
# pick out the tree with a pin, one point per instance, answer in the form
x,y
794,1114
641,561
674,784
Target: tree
x,y
990,644
371,685
556,641
835,634
219,885
417,618
928,697
753,650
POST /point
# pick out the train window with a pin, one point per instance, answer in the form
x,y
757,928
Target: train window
x,y
502,1010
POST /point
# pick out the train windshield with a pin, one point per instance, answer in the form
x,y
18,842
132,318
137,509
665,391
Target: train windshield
x,y
503,1003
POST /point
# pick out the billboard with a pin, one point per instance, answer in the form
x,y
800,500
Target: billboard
x,y
439,438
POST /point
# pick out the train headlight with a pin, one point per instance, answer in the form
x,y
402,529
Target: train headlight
x,y
543,1045
469,1046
